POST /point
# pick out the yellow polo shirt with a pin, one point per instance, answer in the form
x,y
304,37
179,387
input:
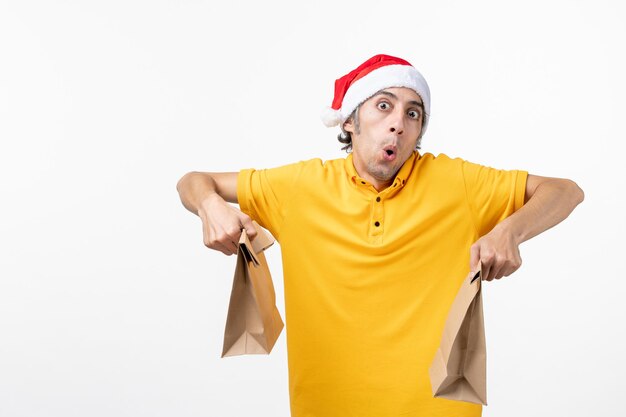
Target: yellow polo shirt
x,y
369,276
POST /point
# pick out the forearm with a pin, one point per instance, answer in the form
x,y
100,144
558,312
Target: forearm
x,y
194,188
551,203
207,195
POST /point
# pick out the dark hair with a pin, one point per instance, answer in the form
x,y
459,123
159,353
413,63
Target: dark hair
x,y
345,138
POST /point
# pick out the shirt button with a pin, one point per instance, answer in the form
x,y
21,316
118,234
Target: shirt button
x,y
378,199
377,224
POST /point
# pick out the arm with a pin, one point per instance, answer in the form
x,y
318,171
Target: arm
x,y
548,201
207,195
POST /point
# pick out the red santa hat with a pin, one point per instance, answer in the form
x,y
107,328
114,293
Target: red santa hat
x,y
375,74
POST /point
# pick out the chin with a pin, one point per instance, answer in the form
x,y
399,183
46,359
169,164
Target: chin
x,y
383,174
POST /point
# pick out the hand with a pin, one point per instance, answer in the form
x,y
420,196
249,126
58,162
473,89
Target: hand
x,y
498,252
222,224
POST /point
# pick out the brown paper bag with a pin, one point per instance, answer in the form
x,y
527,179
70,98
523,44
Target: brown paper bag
x,y
459,369
253,323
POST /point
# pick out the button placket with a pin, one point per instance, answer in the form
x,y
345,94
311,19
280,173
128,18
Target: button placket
x,y
377,217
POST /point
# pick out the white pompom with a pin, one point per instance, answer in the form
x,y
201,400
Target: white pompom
x,y
330,117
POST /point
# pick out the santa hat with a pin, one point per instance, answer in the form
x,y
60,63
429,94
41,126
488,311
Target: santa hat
x,y
375,74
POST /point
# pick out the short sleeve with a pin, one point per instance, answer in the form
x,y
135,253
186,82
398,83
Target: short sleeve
x,y
492,194
265,194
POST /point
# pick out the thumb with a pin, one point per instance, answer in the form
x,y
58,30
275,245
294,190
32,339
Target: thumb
x,y
474,257
247,224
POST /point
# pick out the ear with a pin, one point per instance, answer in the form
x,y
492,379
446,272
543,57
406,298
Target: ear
x,y
348,125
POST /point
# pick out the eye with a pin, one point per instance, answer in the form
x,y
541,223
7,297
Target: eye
x,y
414,114
383,105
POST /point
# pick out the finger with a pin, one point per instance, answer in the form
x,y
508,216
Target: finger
x,y
495,272
512,268
486,266
231,235
209,242
231,246
219,247
221,242
488,263
474,257
508,271
485,273
246,223
516,265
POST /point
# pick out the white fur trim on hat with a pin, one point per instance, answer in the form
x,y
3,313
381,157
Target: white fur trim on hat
x,y
330,116
385,77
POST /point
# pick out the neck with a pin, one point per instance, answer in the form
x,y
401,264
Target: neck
x,y
380,185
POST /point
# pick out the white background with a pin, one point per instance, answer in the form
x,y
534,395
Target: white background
x,y
110,305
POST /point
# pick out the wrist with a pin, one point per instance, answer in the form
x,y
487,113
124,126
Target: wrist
x,y
509,227
208,201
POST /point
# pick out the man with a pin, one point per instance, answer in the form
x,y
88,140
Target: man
x,y
376,245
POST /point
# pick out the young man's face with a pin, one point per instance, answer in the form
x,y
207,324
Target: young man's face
x,y
389,124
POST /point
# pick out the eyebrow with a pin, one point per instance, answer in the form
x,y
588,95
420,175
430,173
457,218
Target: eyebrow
x,y
392,95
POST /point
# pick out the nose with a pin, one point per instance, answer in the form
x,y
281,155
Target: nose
x,y
397,122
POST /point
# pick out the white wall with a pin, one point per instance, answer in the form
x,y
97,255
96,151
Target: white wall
x,y
109,302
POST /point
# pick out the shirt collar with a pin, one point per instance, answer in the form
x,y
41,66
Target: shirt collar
x,y
401,177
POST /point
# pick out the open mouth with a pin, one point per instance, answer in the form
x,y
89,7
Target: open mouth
x,y
389,152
